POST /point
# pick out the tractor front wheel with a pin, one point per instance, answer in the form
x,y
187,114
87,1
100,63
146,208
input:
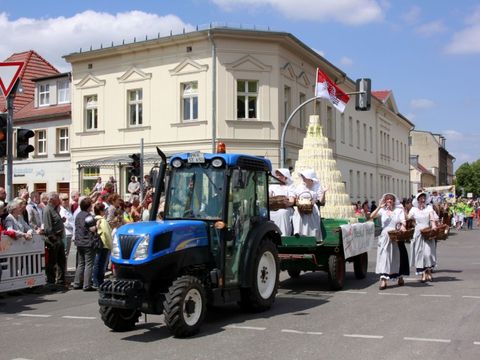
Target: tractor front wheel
x,y
119,319
184,307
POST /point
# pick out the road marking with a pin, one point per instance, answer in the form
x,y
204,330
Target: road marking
x,y
392,294
301,332
433,295
245,327
476,343
363,336
471,297
35,315
79,317
428,340
353,292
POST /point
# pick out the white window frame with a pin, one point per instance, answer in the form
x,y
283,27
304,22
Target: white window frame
x,y
63,142
43,94
247,95
41,142
63,91
135,107
91,112
189,101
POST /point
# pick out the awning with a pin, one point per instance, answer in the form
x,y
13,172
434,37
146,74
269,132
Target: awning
x,y
119,160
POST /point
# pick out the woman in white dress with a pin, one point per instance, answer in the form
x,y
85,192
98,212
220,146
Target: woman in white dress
x,y
283,217
423,252
392,217
310,188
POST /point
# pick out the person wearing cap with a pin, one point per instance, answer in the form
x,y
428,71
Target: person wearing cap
x,y
283,217
392,217
309,189
423,251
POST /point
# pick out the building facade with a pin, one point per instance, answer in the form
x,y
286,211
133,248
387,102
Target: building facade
x,y
433,155
44,107
186,92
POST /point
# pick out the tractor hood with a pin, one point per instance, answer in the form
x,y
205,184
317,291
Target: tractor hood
x,y
142,242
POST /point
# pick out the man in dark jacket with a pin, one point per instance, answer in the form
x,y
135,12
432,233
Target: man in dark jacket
x,y
84,240
54,232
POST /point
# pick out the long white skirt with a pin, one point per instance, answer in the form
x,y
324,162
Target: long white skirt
x,y
388,254
283,219
423,252
307,224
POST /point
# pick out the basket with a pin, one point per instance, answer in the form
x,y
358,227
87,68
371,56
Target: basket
x,y
278,202
410,224
442,232
429,233
399,235
305,203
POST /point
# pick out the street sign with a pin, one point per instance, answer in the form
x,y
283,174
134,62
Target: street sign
x,y
9,73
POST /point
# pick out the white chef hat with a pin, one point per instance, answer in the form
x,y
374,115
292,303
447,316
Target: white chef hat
x,y
285,172
308,174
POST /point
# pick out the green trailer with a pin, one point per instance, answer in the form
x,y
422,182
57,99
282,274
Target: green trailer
x,y
304,253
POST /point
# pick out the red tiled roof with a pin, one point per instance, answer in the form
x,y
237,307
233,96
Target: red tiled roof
x,y
29,111
35,66
382,95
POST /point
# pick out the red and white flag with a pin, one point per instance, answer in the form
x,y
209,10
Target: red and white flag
x,y
326,89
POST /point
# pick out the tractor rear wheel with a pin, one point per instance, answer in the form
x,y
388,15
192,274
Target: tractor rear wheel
x,y
184,307
266,265
336,271
119,319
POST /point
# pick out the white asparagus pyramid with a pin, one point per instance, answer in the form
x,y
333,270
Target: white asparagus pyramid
x,y
316,155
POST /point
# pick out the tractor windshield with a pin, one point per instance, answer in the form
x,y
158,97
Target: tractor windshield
x,y
196,192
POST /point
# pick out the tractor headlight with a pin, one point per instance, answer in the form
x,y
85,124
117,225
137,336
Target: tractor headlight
x,y
142,249
115,247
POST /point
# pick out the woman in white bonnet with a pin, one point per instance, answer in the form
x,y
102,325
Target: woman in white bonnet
x,y
392,216
423,252
309,224
283,217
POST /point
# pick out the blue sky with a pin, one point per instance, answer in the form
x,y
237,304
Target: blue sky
x,y
427,52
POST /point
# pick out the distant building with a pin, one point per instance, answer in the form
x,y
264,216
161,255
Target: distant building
x,y
44,107
420,177
431,151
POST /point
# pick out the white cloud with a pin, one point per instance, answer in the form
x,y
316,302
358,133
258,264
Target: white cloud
x,y
350,12
422,104
54,37
466,40
457,142
431,28
453,135
346,61
412,15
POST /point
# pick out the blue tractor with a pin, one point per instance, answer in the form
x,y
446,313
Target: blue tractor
x,y
214,245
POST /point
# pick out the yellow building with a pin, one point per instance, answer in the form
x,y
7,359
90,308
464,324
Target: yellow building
x,y
186,92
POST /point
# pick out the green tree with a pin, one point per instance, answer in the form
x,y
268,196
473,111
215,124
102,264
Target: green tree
x,y
468,177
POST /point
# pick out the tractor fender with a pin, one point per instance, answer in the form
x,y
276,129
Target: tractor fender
x,y
266,229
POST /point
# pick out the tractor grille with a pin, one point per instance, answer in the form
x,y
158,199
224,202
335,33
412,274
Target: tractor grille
x,y
127,242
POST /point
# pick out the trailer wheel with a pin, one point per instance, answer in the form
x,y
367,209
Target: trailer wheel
x,y
360,265
293,273
261,295
336,271
184,307
119,319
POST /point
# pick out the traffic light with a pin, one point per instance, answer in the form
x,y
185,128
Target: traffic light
x,y
23,147
135,164
3,134
363,94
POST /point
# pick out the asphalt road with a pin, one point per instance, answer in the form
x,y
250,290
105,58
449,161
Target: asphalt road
x,y
438,320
